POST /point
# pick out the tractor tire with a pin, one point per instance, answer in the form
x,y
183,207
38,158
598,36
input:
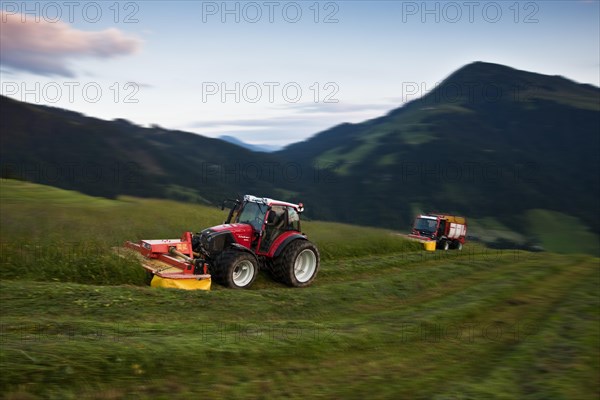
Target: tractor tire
x,y
297,265
458,245
234,269
444,245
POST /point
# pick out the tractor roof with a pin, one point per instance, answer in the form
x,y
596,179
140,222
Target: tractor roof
x,y
449,218
271,202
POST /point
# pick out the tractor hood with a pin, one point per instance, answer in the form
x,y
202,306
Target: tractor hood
x,y
233,228
240,233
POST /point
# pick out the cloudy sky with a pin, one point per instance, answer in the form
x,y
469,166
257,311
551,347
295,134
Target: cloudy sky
x,y
275,72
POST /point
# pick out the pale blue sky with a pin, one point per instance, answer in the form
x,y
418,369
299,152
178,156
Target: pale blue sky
x,y
186,55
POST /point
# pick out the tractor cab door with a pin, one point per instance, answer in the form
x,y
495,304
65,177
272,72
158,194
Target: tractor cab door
x,y
276,224
441,229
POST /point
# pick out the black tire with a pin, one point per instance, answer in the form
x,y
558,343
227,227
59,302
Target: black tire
x,y
234,269
444,245
457,245
297,265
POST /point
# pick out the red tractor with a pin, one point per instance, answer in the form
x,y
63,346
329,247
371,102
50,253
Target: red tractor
x,y
259,233
447,230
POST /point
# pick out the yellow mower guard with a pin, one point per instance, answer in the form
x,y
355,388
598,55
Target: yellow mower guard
x,y
185,284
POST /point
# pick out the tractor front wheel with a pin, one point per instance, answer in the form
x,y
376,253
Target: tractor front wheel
x,y
234,269
298,264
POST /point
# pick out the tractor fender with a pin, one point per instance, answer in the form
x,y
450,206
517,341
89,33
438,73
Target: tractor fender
x,y
285,242
239,247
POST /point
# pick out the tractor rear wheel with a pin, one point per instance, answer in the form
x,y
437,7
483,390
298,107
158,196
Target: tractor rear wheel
x,y
297,265
234,269
444,245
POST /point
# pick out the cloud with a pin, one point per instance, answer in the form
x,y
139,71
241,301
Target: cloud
x,y
269,123
338,108
45,48
293,122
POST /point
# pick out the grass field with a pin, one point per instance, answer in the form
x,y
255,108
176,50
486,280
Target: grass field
x,y
562,233
383,320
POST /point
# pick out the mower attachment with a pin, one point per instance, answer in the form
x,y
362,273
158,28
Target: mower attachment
x,y
172,264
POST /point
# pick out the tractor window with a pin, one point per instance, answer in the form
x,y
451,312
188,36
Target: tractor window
x,y
293,219
279,223
425,225
253,214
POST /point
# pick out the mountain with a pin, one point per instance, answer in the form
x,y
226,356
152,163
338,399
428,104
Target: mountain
x,y
108,158
489,141
261,148
512,150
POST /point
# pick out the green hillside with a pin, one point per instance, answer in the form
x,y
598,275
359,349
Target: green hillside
x,y
110,158
49,233
562,233
489,142
389,321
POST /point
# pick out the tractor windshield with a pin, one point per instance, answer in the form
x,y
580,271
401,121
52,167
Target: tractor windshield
x,y
253,214
425,225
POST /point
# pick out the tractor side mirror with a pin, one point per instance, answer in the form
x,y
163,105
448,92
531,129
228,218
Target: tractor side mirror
x,y
224,204
234,203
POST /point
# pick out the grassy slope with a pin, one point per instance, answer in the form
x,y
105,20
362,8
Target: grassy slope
x,y
386,322
554,231
562,233
49,233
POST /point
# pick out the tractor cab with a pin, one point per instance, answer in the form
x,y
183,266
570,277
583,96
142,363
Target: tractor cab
x,y
426,226
252,213
269,219
280,219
